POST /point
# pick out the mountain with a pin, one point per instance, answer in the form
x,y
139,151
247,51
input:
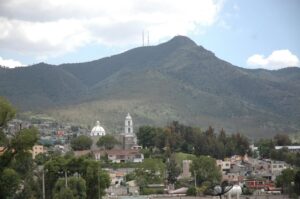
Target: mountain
x,y
176,80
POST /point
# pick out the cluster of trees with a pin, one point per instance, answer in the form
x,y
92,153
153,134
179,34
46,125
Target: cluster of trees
x,y
160,170
81,142
17,177
267,149
289,180
91,180
64,177
177,137
84,142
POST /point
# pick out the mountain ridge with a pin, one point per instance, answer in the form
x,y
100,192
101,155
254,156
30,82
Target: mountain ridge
x,y
175,80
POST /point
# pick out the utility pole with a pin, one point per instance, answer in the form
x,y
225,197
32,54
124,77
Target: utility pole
x,y
195,175
195,179
66,179
99,196
43,184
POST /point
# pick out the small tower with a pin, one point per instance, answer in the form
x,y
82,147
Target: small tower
x,y
129,138
128,125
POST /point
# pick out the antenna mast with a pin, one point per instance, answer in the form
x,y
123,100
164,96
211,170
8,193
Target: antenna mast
x,y
148,39
143,35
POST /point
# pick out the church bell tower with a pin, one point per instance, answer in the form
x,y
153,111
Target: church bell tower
x,y
128,125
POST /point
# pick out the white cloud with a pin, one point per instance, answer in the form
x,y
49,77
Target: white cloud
x,y
48,27
10,63
278,59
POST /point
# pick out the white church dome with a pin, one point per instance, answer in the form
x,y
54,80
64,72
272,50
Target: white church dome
x,y
97,130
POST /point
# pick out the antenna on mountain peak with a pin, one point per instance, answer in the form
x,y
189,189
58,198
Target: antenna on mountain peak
x,y
148,39
143,38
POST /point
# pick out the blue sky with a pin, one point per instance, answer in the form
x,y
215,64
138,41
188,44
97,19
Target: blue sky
x,y
250,34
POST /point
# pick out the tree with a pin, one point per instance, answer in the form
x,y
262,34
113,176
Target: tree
x,y
146,136
81,142
285,179
41,159
150,171
205,169
76,188
96,179
24,140
241,144
54,169
9,183
173,170
297,182
282,140
265,147
107,141
7,112
16,166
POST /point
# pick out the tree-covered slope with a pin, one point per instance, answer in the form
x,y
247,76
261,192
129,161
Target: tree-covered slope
x,y
176,80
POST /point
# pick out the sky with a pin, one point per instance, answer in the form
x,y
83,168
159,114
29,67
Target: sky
x,y
246,33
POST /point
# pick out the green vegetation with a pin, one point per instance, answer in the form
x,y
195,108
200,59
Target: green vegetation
x,y
9,182
267,149
180,138
206,170
173,170
176,80
96,179
107,141
289,180
81,142
20,177
16,165
76,188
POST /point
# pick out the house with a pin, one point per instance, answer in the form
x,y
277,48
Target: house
x,y
258,184
294,149
117,177
127,155
37,149
277,166
233,178
120,155
82,153
224,165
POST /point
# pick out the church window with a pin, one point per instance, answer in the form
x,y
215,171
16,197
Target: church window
x,y
128,123
128,130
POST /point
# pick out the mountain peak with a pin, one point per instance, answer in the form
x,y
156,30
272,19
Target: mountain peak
x,y
181,41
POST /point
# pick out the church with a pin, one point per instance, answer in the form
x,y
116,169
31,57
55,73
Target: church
x,y
127,138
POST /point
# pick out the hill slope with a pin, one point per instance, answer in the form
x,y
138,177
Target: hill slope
x,y
176,80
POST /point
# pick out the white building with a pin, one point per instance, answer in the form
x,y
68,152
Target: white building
x,y
295,149
277,166
129,138
224,165
120,155
128,125
98,130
